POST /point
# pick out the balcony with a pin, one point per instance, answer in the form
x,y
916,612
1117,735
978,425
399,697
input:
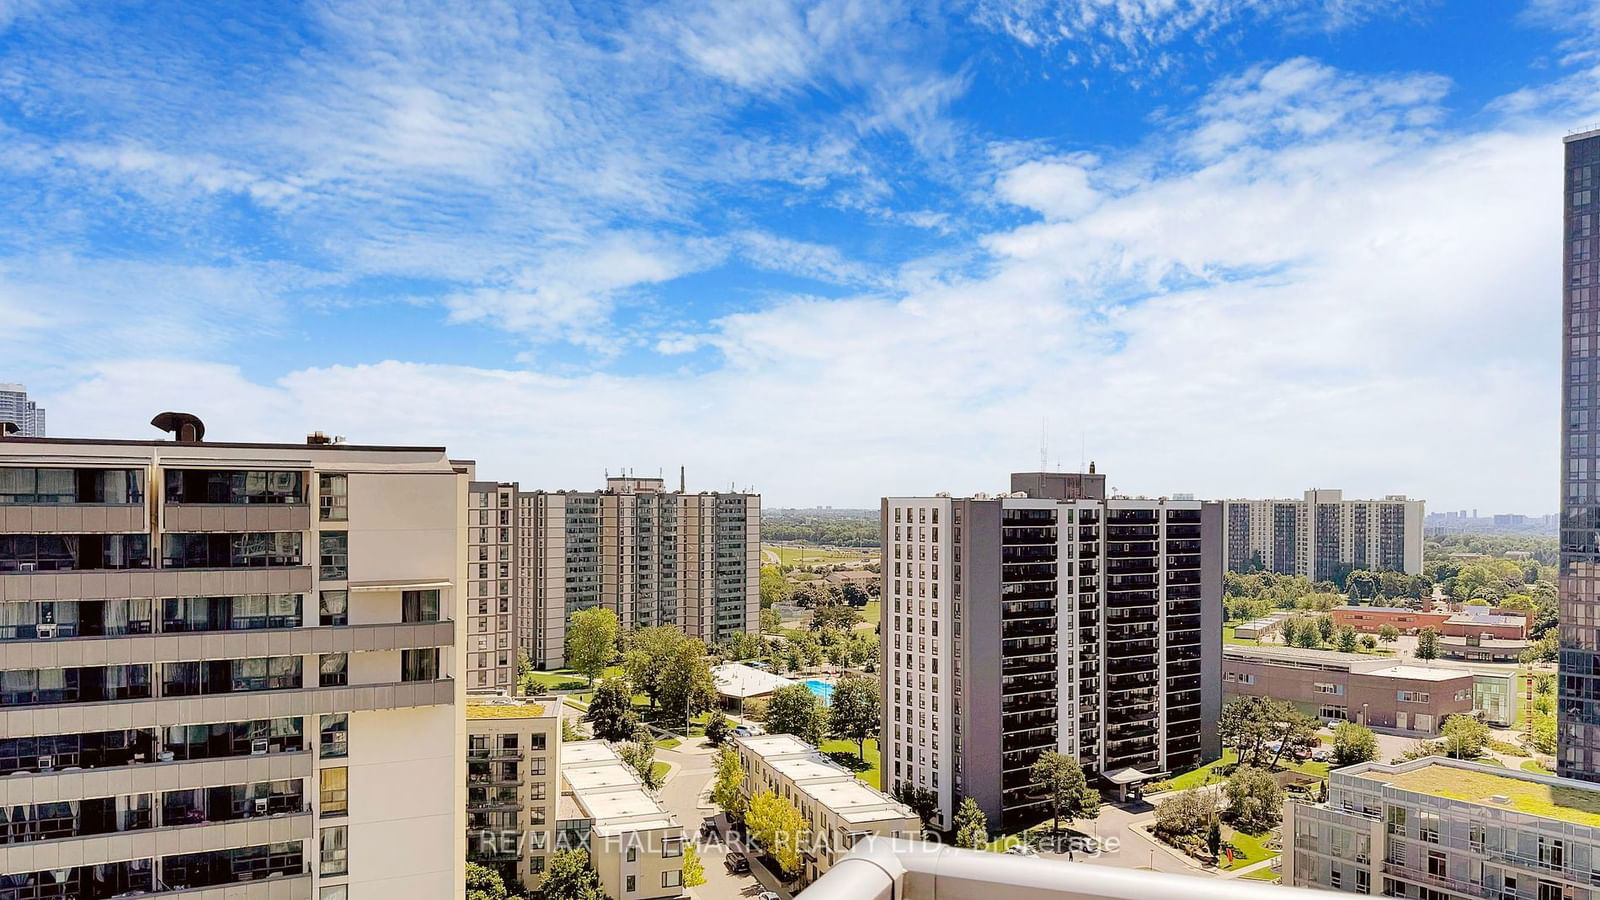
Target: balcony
x,y
1030,535
1028,628
1028,553
1027,609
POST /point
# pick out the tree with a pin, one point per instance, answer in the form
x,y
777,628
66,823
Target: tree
x,y
832,613
1296,733
727,790
611,711
570,877
1427,644
1388,633
591,641
570,731
1353,744
972,826
1214,839
1464,737
1346,639
770,621
779,828
795,710
1361,585
1290,629
1246,724
694,872
774,587
484,883
1325,628
641,757
1368,642
686,686
1189,813
923,802
1060,781
857,711
524,665
1255,801
718,728
650,653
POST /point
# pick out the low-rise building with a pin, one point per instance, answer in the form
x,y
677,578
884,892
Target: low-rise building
x,y
838,807
513,781
1483,650
1371,691
634,843
1441,828
1370,619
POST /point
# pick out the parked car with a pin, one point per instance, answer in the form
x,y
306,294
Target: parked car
x,y
767,895
1021,850
736,863
709,828
1321,755
746,730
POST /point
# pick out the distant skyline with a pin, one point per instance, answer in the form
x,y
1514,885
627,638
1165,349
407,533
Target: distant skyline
x,y
830,250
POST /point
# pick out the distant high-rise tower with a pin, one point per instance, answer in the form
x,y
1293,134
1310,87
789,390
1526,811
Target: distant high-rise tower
x,y
15,407
1579,685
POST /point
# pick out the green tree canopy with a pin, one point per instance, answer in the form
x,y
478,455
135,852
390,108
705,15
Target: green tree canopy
x,y
727,788
1255,801
591,641
1353,744
972,826
570,877
779,828
611,711
795,710
1060,781
857,711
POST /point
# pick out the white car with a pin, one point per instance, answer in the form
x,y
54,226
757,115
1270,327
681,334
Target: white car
x,y
1021,850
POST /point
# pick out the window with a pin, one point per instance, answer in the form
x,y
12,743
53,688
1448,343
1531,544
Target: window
x,y
1397,820
49,486
232,486
335,892
217,550
335,851
332,499
333,608
1323,687
335,670
672,878
335,735
632,884
335,791
1428,826
671,847
633,854
419,606
334,555
1412,696
419,665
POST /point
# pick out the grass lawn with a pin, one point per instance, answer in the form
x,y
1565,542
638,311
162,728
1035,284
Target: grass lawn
x,y
1228,637
1507,748
1265,873
845,754
667,744
659,770
790,555
567,679
1248,849
869,614
1212,773
1532,765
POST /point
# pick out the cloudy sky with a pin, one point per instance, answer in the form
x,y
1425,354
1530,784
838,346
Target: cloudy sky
x,y
830,250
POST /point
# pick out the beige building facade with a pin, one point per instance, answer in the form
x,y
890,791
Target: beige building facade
x,y
513,784
838,807
492,613
230,669
635,845
1323,535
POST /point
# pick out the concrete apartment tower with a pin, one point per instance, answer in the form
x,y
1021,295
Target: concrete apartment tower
x,y
1048,618
1578,719
16,408
493,617
652,556
1323,536
231,669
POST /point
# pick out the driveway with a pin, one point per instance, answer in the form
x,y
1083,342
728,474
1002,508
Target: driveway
x,y
686,795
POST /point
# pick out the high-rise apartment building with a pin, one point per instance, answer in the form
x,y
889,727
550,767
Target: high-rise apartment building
x,y
16,408
1578,718
230,669
1439,829
1048,618
652,556
1323,536
491,611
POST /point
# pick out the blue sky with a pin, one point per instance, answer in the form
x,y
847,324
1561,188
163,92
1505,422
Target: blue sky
x,y
829,250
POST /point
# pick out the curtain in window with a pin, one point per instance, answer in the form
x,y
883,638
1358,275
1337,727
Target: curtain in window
x,y
17,485
57,485
15,617
115,613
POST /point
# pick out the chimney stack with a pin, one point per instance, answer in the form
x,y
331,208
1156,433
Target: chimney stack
x,y
185,428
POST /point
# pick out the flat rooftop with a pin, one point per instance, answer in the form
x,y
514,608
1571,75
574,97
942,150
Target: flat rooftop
x,y
829,784
1553,798
607,790
1420,673
507,708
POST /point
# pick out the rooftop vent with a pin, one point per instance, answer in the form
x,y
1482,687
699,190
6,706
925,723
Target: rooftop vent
x,y
185,428
1501,799
7,428
319,438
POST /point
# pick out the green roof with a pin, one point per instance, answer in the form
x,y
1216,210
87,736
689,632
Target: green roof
x,y
504,711
1536,798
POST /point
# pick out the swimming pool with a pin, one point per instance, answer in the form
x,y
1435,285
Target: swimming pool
x,y
823,689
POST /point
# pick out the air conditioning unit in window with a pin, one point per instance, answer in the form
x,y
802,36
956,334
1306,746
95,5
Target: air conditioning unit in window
x,y
46,632
27,567
261,806
46,763
258,747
